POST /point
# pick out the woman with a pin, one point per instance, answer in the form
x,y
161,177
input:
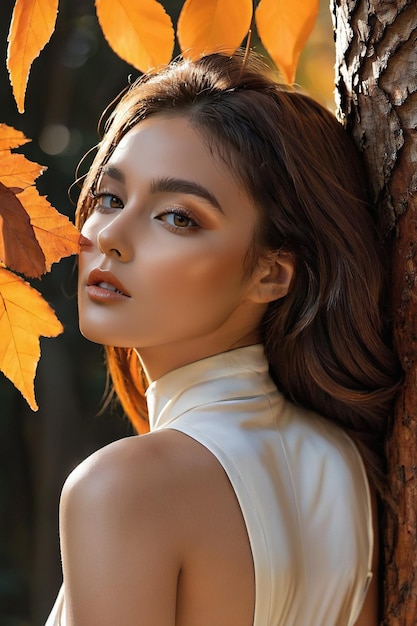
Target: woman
x,y
229,259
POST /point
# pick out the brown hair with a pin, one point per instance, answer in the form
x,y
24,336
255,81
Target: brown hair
x,y
325,340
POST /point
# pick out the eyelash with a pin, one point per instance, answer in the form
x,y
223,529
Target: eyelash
x,y
100,208
182,213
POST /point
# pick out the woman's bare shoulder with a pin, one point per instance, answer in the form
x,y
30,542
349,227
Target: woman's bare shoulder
x,y
142,514
142,477
121,529
127,463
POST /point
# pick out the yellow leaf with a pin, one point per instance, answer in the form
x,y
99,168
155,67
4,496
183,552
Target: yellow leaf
x,y
33,22
54,232
141,33
206,26
24,317
17,171
284,27
11,138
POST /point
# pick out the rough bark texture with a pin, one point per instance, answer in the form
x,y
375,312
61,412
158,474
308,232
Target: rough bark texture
x,y
376,90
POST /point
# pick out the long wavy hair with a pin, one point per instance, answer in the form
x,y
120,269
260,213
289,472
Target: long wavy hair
x,y
325,341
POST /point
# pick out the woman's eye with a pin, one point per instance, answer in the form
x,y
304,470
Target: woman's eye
x,y
107,201
177,220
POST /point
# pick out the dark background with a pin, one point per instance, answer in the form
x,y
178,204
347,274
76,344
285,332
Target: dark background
x,y
70,84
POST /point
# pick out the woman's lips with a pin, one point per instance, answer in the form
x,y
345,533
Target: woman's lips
x,y
85,242
102,285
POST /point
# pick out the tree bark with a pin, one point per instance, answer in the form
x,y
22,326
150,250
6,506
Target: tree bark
x,y
376,94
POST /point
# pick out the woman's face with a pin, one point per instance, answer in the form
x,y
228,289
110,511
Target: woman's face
x,y
164,268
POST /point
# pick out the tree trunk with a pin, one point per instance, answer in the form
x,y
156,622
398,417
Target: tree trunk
x,y
376,84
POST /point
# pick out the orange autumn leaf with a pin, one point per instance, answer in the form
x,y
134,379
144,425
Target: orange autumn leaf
x,y
141,33
17,171
33,235
11,138
24,317
19,249
284,27
56,235
32,25
213,26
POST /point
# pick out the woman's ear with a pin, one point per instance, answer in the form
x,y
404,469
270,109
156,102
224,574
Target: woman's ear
x,y
272,278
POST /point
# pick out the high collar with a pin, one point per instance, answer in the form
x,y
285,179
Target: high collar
x,y
238,373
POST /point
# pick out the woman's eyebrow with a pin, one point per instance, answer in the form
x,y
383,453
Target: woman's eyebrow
x,y
181,185
113,172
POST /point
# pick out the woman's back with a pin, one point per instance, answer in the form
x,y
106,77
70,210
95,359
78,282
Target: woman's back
x,y
300,483
260,510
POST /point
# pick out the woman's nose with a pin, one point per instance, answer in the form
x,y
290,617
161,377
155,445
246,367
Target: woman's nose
x,y
114,240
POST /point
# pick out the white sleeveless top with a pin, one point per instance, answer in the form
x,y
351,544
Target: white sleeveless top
x,y
299,480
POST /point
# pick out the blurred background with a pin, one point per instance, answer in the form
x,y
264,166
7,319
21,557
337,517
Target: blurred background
x,y
70,84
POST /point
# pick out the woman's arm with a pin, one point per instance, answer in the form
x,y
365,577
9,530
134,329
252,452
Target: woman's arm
x,y
120,537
